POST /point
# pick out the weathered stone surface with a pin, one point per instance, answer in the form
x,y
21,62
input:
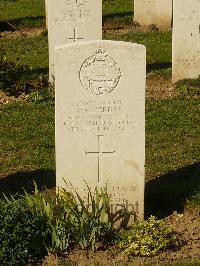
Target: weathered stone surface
x,y
100,119
186,40
72,21
153,12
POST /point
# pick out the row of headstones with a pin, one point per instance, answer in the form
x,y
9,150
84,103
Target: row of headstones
x,y
76,20
184,17
100,105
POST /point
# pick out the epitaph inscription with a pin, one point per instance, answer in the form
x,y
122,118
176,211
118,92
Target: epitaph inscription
x,y
100,73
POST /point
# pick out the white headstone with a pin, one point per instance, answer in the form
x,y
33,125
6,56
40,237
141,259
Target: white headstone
x,y
100,119
153,12
186,40
72,21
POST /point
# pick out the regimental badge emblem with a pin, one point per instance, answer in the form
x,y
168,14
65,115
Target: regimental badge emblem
x,y
100,74
75,3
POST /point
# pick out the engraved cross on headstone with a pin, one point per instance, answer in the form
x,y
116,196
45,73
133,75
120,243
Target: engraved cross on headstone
x,y
99,155
75,37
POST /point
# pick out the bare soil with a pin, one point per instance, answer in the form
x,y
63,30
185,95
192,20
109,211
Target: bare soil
x,y
159,87
24,32
187,225
111,27
6,99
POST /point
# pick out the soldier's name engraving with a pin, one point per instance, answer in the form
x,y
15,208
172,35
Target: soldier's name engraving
x,y
96,116
73,17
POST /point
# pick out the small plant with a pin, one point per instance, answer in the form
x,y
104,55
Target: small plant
x,y
194,200
42,94
189,87
88,218
147,238
74,222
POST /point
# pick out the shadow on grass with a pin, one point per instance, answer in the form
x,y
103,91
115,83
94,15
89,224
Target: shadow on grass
x,y
15,183
35,73
6,26
168,193
158,66
28,21
12,24
163,195
116,15
16,80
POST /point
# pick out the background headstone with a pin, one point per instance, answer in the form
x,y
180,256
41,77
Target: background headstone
x,y
153,12
100,119
186,40
72,21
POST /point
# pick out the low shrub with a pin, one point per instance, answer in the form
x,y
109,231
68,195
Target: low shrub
x,y
34,225
23,232
147,238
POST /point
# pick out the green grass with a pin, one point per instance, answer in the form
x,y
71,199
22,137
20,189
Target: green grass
x,y
27,137
33,52
194,200
32,12
158,45
189,86
172,134
23,12
27,130
118,11
172,155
